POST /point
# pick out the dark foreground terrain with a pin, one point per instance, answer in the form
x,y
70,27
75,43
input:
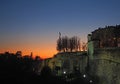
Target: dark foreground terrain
x,y
15,70
44,78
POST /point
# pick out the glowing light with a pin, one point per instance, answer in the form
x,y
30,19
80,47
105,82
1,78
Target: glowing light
x,y
84,75
64,72
91,81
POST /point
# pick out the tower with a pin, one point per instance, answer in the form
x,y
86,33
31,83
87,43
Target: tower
x,y
90,49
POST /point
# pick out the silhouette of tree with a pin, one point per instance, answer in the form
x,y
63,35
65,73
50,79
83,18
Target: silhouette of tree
x,y
84,46
66,44
76,43
71,44
59,44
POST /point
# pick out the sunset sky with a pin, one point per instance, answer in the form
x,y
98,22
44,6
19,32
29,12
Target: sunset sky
x,y
34,25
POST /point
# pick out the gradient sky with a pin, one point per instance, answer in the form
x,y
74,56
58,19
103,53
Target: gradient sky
x,y
34,25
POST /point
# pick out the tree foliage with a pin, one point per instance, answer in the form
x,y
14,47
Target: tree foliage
x,y
65,44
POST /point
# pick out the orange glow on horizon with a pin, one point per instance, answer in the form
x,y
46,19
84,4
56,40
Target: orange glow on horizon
x,y
43,53
43,47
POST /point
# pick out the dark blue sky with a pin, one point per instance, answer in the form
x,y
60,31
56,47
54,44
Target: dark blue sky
x,y
36,23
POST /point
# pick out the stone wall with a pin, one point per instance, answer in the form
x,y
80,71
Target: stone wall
x,y
105,65
68,62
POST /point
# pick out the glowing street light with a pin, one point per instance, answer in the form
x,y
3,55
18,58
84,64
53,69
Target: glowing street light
x,y
91,81
64,72
84,75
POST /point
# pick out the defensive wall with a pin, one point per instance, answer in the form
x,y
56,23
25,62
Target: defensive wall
x,y
104,65
68,63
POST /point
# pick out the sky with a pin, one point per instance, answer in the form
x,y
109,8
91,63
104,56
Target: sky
x,y
34,25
